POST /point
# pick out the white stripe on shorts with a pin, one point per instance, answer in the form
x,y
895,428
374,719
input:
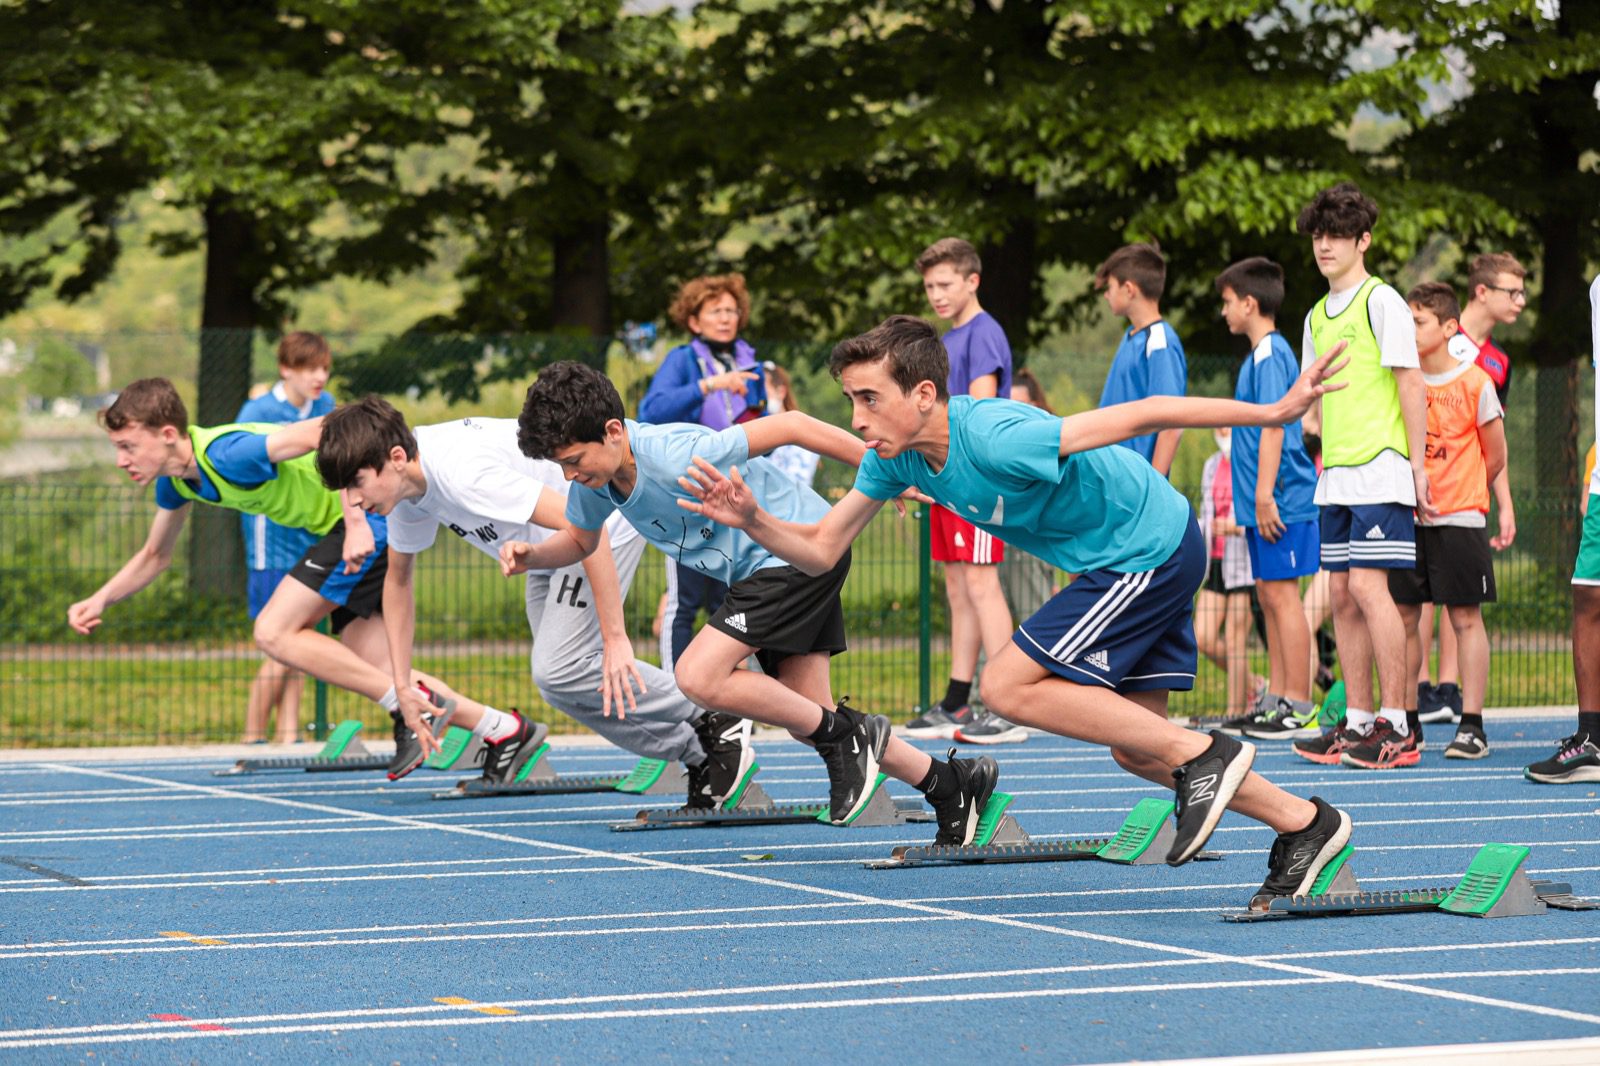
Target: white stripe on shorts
x,y
1105,610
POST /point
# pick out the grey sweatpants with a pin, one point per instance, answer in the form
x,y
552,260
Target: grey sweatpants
x,y
567,658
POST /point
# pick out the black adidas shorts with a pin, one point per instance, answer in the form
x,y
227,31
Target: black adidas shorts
x,y
783,611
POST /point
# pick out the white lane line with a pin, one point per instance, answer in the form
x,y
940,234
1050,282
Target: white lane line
x,y
777,883
700,1010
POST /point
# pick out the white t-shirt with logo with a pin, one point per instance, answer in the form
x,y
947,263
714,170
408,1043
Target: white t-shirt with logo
x,y
482,488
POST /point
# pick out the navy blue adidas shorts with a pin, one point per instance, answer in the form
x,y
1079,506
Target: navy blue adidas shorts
x,y
1374,536
1128,632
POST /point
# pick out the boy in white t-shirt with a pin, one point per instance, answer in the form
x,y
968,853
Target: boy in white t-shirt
x,y
469,477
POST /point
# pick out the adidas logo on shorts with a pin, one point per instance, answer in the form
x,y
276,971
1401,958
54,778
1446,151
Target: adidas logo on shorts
x,y
736,621
1098,659
1375,533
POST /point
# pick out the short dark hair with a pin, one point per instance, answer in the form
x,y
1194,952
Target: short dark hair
x,y
359,436
1257,276
1143,264
1342,210
1438,297
912,348
568,403
151,402
953,250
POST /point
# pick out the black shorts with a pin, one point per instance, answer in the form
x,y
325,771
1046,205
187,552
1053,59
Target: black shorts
x,y
357,595
1213,581
783,611
1455,567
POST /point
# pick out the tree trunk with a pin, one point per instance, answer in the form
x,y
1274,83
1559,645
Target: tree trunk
x,y
580,282
228,316
1010,282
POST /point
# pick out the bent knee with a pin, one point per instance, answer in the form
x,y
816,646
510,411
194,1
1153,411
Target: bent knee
x,y
269,637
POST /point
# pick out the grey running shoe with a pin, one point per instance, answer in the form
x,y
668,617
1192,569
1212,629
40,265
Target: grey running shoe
x,y
986,727
936,723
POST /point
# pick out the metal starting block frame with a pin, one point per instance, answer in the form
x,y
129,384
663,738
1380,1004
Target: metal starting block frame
x,y
755,807
1144,839
1494,886
343,750
536,777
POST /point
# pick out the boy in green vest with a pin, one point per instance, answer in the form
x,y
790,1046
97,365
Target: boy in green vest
x,y
1372,478
271,470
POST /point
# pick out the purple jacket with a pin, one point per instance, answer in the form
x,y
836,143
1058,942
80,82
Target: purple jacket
x,y
674,393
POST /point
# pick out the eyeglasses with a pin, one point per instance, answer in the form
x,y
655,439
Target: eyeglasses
x,y
1515,294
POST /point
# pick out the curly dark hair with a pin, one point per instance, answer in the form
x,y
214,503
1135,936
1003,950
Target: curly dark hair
x,y
912,348
1340,211
569,403
359,436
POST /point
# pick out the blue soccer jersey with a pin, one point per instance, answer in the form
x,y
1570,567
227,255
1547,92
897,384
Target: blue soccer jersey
x,y
663,454
1149,362
267,545
977,349
1266,376
1099,509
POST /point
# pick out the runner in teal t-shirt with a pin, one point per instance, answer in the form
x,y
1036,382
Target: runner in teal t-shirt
x,y
1097,661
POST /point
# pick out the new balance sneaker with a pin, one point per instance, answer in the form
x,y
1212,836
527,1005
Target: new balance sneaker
x,y
959,814
986,727
1298,858
1285,722
1328,748
730,760
853,761
1577,759
408,753
503,758
1382,749
1470,743
1205,786
936,723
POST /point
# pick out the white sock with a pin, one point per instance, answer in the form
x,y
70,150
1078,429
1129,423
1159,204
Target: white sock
x,y
1396,717
495,725
390,700
1360,721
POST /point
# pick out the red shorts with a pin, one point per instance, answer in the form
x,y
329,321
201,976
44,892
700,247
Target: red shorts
x,y
955,540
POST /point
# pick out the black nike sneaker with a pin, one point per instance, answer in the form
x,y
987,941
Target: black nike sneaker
x,y
1298,858
960,811
1205,786
503,758
852,762
730,760
408,754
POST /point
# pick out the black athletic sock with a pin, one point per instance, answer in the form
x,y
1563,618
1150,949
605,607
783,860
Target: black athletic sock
x,y
1473,721
834,727
955,694
940,781
1589,722
1414,723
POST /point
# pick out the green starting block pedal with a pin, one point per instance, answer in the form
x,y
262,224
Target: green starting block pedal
x,y
755,807
536,777
1494,886
458,748
1144,839
342,750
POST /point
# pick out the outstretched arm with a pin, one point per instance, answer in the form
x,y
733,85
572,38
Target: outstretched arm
x,y
294,440
567,545
815,549
1120,422
797,427
145,566
400,627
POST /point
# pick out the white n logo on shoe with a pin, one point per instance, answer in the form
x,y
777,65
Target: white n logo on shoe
x,y
736,621
1203,789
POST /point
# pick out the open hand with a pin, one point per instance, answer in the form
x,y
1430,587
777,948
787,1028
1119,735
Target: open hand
x,y
619,673
1310,385
723,499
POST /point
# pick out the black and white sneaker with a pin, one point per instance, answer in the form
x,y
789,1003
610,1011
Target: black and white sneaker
x,y
503,758
852,762
1285,721
960,813
730,760
1576,760
1298,858
1470,743
408,753
1205,786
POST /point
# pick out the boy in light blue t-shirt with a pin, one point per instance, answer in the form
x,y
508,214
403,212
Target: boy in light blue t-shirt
x,y
1150,359
1274,485
1097,661
792,621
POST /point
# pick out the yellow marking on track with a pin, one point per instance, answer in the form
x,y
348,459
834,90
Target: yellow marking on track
x,y
178,934
457,1001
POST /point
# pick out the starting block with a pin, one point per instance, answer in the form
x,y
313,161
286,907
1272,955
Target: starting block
x,y
755,807
342,750
1144,839
1494,886
536,777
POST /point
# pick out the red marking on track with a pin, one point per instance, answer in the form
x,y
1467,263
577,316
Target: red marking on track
x,y
199,1027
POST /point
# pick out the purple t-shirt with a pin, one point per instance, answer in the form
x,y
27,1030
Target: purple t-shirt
x,y
976,349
